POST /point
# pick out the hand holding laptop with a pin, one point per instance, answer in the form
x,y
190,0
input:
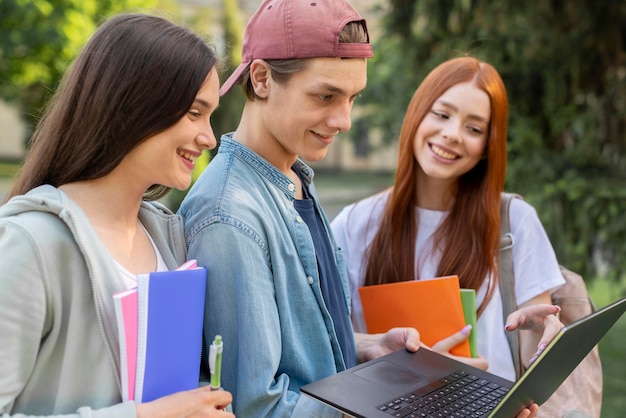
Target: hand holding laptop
x,y
371,346
405,383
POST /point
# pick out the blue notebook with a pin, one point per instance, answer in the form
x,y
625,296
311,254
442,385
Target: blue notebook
x,y
170,318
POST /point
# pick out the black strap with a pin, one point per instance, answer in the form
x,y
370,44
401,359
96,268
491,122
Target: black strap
x,y
507,288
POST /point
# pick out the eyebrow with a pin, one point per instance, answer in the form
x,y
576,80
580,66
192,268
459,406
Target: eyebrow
x,y
335,89
202,103
453,107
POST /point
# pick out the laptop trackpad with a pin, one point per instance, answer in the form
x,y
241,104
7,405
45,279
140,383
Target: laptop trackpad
x,y
391,375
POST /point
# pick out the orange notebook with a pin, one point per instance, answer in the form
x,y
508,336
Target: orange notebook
x,y
432,306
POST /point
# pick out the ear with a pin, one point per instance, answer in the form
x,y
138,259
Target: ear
x,y
260,74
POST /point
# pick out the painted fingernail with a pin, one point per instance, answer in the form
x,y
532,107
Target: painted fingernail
x,y
466,330
539,351
507,327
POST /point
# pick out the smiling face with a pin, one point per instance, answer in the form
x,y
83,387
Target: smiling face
x,y
168,157
302,116
452,137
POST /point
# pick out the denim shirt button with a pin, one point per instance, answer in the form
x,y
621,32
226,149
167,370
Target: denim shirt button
x,y
299,219
310,279
291,187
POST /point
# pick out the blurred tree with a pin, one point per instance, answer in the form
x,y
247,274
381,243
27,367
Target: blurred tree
x,y
564,64
231,105
226,117
39,38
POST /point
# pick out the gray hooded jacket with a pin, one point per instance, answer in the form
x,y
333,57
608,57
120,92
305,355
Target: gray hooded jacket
x,y
58,337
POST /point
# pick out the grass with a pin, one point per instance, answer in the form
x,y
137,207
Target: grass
x,y
612,351
8,169
338,189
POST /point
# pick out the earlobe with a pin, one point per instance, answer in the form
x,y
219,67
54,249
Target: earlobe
x,y
259,76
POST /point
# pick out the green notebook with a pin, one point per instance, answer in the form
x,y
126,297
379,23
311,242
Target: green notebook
x,y
468,299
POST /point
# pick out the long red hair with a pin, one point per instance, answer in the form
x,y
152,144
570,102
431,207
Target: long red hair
x,y
469,237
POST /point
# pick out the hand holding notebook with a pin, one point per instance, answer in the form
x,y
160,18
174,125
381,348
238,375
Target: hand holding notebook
x,y
434,307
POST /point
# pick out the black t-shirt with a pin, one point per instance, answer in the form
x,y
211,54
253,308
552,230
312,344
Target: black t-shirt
x,y
330,282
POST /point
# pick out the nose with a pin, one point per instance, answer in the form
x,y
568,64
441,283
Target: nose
x,y
341,118
452,131
206,137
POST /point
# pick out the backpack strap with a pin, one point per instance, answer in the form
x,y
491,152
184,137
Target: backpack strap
x,y
506,279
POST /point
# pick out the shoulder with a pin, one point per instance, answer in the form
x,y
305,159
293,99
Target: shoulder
x,y
34,239
156,208
156,215
362,214
40,216
166,230
522,213
235,198
225,188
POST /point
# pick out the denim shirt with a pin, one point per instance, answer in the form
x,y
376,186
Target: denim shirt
x,y
263,290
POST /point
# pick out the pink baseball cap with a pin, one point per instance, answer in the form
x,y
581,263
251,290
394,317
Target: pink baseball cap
x,y
296,29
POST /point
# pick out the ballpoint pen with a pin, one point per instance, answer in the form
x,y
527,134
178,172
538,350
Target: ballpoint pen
x,y
215,362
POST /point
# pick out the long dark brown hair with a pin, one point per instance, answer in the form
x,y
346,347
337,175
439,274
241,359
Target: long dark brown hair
x,y
137,76
469,237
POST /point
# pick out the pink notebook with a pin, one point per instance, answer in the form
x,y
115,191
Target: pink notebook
x,y
126,314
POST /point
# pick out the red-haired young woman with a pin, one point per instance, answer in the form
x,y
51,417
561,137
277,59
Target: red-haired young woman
x,y
442,215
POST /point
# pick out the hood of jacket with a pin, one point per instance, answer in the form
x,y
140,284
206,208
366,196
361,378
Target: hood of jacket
x,y
165,228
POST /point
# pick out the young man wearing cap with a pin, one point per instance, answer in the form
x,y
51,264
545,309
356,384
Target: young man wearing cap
x,y
277,288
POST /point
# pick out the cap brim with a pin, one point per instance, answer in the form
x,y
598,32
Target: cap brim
x,y
234,78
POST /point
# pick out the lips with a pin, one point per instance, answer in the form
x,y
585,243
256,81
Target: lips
x,y
187,156
326,139
440,152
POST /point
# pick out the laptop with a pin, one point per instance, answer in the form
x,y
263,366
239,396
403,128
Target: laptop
x,y
429,384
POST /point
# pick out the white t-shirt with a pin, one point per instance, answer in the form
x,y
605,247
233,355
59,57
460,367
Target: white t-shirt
x,y
130,278
536,267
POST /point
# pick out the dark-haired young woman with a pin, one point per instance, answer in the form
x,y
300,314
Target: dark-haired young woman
x,y
129,119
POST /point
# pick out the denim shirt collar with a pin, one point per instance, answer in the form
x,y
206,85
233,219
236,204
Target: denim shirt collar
x,y
261,165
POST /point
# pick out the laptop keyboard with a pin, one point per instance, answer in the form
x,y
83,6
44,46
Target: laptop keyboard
x,y
459,394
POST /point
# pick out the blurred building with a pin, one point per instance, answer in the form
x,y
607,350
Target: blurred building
x,y
12,133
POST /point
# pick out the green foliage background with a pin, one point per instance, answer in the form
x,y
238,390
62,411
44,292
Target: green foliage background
x,y
563,61
40,38
564,65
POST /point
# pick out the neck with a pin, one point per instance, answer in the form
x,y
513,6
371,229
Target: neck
x,y
435,194
252,133
107,203
113,210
